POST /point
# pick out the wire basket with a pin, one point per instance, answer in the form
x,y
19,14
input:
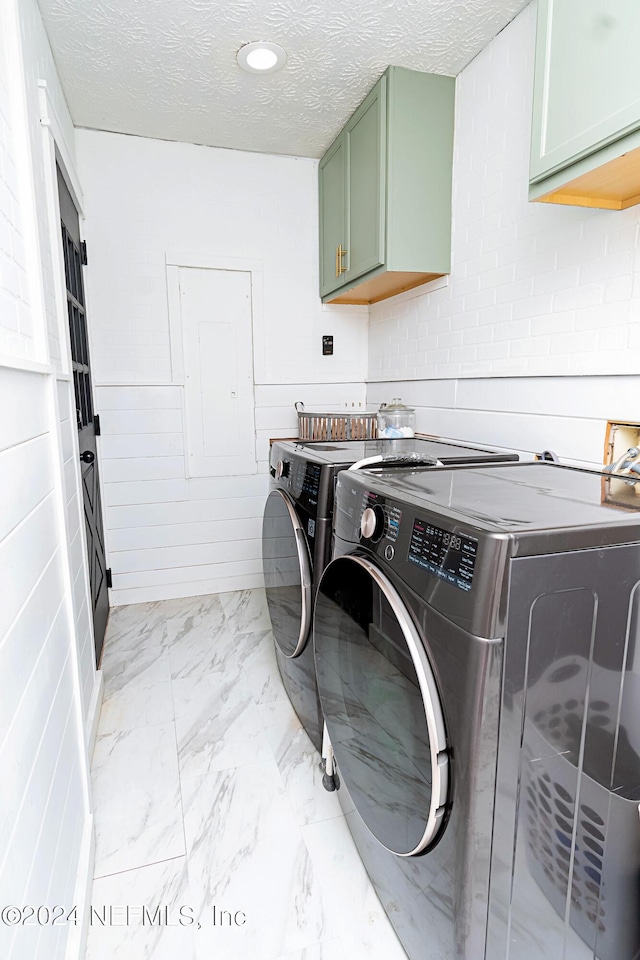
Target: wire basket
x,y
360,425
580,835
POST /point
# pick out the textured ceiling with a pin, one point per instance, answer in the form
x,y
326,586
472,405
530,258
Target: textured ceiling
x,y
167,68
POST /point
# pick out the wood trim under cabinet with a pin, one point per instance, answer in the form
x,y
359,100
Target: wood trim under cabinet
x,y
385,285
613,186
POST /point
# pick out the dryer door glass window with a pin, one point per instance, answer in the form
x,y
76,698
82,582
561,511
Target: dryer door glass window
x,y
381,706
287,574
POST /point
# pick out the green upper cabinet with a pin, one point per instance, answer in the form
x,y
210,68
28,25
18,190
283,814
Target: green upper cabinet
x,y
333,213
586,106
385,191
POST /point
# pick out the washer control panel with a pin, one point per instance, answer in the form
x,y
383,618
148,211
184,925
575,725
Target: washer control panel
x,y
450,556
379,519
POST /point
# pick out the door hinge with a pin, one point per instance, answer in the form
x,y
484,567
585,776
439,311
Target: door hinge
x,y
83,253
96,424
109,578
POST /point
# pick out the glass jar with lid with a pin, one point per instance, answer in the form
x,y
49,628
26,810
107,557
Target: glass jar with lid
x,y
395,420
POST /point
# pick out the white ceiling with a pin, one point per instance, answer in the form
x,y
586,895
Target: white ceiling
x,y
167,68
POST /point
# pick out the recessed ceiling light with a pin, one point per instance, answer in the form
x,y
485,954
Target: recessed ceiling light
x,y
261,57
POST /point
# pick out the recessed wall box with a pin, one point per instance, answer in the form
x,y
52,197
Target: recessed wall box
x,y
621,436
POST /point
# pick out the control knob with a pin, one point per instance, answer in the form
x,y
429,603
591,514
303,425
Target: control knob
x,y
282,469
372,523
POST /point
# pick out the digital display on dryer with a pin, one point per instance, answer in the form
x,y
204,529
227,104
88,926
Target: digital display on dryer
x,y
450,556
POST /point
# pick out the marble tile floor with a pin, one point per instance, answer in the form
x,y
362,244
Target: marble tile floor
x,y
214,837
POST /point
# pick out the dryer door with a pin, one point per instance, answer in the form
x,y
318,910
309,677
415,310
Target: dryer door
x,y
381,706
287,573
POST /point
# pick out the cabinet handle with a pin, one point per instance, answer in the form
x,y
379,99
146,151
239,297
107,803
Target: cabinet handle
x,y
341,266
338,261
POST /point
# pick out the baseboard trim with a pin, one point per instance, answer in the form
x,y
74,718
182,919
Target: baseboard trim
x,y
175,591
93,716
77,940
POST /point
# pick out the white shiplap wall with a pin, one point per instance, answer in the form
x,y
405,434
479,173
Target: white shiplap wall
x,y
42,750
173,536
169,535
546,298
47,672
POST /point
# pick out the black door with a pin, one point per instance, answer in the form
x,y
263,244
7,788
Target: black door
x,y
287,574
86,423
381,706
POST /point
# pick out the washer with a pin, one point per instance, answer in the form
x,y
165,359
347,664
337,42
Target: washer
x,y
296,542
477,654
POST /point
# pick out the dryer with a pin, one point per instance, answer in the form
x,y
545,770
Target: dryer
x,y
296,541
476,640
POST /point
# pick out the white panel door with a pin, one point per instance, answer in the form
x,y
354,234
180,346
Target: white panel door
x,y
215,310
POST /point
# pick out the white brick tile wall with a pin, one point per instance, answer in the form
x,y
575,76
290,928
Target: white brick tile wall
x,y
536,289
540,260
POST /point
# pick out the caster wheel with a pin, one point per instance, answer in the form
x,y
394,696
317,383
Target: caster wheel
x,y
329,783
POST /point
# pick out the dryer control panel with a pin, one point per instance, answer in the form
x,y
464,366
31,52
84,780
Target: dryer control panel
x,y
450,556
451,564
443,557
379,519
447,554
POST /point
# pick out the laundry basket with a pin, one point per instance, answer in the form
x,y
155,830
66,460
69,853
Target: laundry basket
x,y
580,834
357,425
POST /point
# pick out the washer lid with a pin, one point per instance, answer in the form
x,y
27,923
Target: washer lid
x,y
287,574
381,706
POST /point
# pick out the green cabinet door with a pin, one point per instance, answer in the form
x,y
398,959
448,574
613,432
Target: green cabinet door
x,y
333,214
587,79
365,137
